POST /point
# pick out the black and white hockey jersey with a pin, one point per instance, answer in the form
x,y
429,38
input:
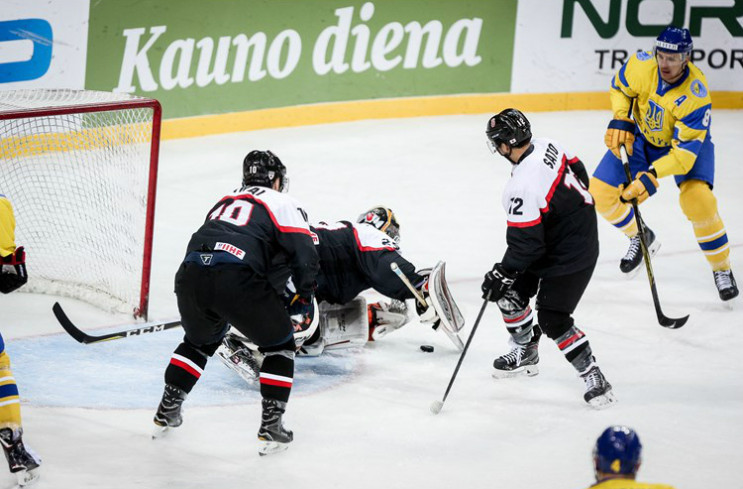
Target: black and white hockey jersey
x,y
264,230
551,216
356,257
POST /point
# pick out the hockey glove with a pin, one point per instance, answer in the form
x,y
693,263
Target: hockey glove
x,y
620,132
496,283
643,186
13,271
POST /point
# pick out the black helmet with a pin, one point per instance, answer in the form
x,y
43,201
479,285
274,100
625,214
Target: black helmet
x,y
509,127
261,168
383,219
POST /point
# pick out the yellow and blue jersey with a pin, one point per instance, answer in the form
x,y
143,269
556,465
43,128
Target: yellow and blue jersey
x,y
7,227
667,115
627,484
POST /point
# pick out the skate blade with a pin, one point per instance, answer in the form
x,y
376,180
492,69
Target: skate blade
x,y
160,431
603,401
653,250
266,447
27,477
526,371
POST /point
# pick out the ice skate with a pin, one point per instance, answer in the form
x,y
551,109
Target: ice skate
x,y
521,360
237,356
630,264
22,460
726,285
168,413
272,436
598,390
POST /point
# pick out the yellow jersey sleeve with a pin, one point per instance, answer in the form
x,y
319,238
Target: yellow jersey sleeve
x,y
7,227
626,85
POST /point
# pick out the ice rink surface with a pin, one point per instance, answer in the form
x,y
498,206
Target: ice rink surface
x,y
361,417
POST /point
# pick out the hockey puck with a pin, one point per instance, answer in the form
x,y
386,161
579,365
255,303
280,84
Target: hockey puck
x,y
427,348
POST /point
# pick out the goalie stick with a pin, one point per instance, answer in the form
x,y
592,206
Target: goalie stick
x,y
665,321
82,337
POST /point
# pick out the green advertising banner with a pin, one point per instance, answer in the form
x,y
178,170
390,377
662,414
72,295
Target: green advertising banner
x,y
223,56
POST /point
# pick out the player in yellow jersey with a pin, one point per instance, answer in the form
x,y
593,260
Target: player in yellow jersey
x,y
668,134
616,460
21,461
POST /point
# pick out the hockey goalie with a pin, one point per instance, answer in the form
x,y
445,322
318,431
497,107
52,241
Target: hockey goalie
x,y
354,257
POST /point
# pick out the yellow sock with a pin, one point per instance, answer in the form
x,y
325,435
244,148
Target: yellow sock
x,y
10,403
700,206
619,214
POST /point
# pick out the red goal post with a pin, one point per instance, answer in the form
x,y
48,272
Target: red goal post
x,y
80,168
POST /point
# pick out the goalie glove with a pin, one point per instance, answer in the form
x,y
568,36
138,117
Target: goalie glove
x,y
620,132
13,271
496,283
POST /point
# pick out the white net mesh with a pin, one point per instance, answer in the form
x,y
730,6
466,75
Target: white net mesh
x,y
79,185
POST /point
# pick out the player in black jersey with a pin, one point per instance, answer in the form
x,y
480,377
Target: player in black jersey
x,y
552,250
354,257
234,272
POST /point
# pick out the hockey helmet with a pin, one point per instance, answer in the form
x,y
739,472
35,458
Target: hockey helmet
x,y
618,451
674,40
510,127
383,219
261,168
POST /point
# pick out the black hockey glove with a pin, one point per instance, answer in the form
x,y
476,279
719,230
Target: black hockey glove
x,y
496,283
13,271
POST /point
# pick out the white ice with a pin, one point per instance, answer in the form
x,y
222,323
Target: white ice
x,y
361,419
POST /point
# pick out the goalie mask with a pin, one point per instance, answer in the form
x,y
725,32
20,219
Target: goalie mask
x,y
261,168
383,219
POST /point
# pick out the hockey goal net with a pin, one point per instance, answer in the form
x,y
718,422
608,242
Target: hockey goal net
x,y
80,168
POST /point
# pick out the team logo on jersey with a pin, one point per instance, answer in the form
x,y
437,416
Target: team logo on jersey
x,y
654,116
643,55
698,89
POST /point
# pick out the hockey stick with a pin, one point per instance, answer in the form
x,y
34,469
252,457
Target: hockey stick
x,y
665,321
436,406
86,339
452,336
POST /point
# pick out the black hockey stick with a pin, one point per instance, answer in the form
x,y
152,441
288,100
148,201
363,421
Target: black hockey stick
x,y
665,321
436,406
85,338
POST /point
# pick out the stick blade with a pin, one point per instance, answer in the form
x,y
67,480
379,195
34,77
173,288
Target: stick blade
x,y
436,407
672,323
67,324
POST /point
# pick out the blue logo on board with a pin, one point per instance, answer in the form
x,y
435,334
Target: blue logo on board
x,y
39,33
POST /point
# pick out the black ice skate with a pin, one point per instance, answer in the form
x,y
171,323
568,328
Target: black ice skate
x,y
521,360
272,436
630,264
598,390
237,356
726,286
168,413
22,461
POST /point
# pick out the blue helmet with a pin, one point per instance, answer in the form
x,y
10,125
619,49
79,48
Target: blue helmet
x,y
674,40
618,451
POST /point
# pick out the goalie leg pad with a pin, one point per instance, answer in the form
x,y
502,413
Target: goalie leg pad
x,y
344,325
